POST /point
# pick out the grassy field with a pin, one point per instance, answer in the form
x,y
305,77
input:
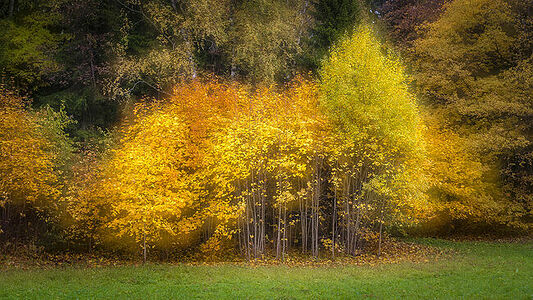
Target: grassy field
x,y
477,270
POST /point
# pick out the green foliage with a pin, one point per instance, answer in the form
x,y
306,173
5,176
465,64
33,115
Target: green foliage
x,y
266,38
333,19
59,53
87,107
27,46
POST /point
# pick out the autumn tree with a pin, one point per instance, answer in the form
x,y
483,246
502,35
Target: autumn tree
x,y
406,18
458,188
82,207
471,65
263,160
146,182
33,157
364,93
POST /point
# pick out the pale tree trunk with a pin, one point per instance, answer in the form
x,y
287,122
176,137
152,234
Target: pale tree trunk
x,y
333,224
261,216
144,246
356,230
247,222
347,214
173,3
278,244
233,71
315,208
303,222
380,231
93,75
11,7
233,68
193,65
284,231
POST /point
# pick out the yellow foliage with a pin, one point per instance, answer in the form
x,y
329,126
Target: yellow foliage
x,y
27,156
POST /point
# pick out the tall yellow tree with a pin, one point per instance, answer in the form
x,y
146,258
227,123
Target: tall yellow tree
x,y
33,150
147,182
364,93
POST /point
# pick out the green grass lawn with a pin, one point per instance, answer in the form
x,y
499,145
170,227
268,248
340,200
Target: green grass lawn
x,y
477,270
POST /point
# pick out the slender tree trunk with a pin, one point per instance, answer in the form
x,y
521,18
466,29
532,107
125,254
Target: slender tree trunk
x,y
233,67
263,212
11,8
144,246
278,244
315,208
334,216
247,223
380,231
254,219
187,36
173,3
313,220
356,230
348,217
303,221
283,251
239,235
93,71
256,233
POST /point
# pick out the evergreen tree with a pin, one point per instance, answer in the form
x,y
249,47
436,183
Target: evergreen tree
x,y
332,20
